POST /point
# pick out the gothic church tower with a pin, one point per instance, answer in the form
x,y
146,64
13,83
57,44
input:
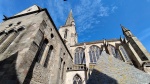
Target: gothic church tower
x,y
140,55
68,31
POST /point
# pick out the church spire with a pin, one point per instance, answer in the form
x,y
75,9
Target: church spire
x,y
126,32
70,19
124,29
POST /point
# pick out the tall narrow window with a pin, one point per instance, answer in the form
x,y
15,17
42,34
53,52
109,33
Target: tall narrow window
x,y
63,69
124,53
77,79
48,56
65,35
94,53
79,56
112,50
45,42
11,37
118,55
3,36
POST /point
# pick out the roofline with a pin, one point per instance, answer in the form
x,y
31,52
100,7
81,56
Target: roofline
x,y
57,31
100,41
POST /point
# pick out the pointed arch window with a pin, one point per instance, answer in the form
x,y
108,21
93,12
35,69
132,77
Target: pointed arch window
x,y
48,56
77,79
124,53
41,51
3,36
79,56
94,53
112,51
6,42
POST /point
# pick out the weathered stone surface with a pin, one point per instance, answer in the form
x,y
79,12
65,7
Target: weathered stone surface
x,y
110,70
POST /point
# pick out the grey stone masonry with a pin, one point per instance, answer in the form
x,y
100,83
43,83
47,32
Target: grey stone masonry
x,y
110,70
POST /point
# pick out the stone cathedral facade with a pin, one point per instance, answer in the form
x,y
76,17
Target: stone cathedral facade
x,y
33,51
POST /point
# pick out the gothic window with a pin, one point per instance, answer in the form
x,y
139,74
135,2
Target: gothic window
x,y
48,56
3,36
77,79
65,35
112,50
42,48
11,37
79,56
124,53
94,53
118,55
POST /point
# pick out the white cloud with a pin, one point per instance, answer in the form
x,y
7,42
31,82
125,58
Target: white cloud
x,y
113,9
58,10
144,34
86,12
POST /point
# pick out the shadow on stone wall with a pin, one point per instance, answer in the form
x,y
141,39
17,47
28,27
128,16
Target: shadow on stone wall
x,y
30,72
8,73
98,77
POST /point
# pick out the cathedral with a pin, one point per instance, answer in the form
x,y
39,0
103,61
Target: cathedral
x,y
34,51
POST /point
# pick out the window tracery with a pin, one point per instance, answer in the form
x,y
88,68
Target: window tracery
x,y
124,53
94,53
79,56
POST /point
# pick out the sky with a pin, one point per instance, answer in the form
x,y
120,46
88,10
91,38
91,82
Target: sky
x,y
94,19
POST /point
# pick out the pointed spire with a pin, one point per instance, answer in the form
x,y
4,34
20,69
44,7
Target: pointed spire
x,y
126,31
123,28
70,18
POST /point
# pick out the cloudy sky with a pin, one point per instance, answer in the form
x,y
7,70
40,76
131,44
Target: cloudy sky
x,y
95,19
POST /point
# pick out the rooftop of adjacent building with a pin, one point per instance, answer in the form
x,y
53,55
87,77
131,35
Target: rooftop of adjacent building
x,y
94,42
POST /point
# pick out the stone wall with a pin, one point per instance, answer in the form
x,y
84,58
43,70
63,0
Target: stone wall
x,y
19,60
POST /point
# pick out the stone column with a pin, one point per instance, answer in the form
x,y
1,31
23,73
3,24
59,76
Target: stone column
x,y
45,53
2,38
8,41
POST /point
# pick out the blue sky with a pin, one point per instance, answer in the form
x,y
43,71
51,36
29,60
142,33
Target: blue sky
x,y
95,19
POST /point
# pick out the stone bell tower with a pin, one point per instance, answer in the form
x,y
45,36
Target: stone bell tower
x,y
68,31
140,56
